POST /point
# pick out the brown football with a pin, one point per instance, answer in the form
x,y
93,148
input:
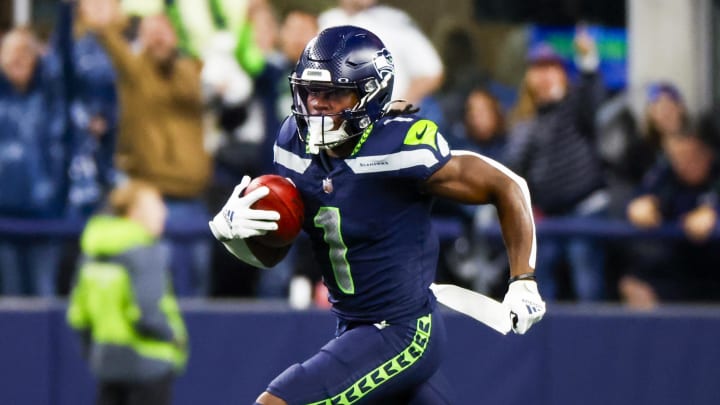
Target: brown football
x,y
285,199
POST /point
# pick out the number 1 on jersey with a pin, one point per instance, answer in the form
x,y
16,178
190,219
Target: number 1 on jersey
x,y
328,218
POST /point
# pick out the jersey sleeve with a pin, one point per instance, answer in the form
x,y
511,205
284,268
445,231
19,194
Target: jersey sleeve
x,y
418,148
287,132
289,149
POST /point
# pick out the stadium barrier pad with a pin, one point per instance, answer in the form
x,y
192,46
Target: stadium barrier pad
x,y
579,354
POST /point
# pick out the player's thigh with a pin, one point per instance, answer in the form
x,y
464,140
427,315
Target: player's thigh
x,y
366,364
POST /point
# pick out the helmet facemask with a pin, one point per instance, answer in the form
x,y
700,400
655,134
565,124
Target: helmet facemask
x,y
318,129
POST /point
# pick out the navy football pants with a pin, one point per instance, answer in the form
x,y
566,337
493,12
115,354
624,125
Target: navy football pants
x,y
369,364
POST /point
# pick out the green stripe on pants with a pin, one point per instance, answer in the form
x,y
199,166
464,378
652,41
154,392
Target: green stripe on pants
x,y
387,370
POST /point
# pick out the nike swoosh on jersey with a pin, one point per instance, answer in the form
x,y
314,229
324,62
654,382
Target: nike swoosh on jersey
x,y
419,135
422,132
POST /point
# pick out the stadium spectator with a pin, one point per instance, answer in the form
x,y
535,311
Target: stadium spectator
x,y
682,188
367,177
33,153
296,30
122,305
628,149
665,113
161,128
198,24
482,128
555,151
420,70
226,36
242,100
523,111
94,119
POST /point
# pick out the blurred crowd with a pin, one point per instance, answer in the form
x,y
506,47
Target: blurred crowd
x,y
188,98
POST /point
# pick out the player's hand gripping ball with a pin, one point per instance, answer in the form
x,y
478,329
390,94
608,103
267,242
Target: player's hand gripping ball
x,y
285,199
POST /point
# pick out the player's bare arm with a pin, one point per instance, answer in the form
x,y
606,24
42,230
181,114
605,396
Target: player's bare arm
x,y
471,179
474,179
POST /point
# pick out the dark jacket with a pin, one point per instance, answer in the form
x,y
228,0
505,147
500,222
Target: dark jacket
x,y
33,139
677,198
556,151
92,94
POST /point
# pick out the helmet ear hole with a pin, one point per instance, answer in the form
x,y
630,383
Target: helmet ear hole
x,y
370,86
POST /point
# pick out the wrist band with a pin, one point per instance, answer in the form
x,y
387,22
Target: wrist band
x,y
524,276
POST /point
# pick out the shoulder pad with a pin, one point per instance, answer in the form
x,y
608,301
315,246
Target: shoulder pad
x,y
415,131
288,131
422,132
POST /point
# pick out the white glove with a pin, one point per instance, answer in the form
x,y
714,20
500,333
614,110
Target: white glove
x,y
526,305
237,220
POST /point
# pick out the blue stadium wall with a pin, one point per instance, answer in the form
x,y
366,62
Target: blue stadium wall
x,y
577,355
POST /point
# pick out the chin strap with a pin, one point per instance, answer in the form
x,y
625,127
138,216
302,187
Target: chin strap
x,y
320,129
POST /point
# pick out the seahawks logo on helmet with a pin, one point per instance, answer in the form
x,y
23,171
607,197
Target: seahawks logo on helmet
x,y
383,62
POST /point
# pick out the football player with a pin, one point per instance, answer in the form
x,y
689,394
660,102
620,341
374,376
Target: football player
x,y
368,175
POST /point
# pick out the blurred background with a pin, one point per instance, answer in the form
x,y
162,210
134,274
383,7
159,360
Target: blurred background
x,y
608,109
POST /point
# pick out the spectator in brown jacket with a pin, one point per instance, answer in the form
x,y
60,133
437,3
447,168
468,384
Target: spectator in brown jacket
x,y
161,138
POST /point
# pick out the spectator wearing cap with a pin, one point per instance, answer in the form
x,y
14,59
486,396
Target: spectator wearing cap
x,y
541,57
665,113
665,116
554,150
630,149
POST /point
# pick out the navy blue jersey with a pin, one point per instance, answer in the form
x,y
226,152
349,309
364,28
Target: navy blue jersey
x,y
368,220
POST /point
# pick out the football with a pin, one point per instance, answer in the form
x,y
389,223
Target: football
x,y
285,199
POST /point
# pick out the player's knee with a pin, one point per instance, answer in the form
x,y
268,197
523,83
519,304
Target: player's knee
x,y
267,398
293,376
